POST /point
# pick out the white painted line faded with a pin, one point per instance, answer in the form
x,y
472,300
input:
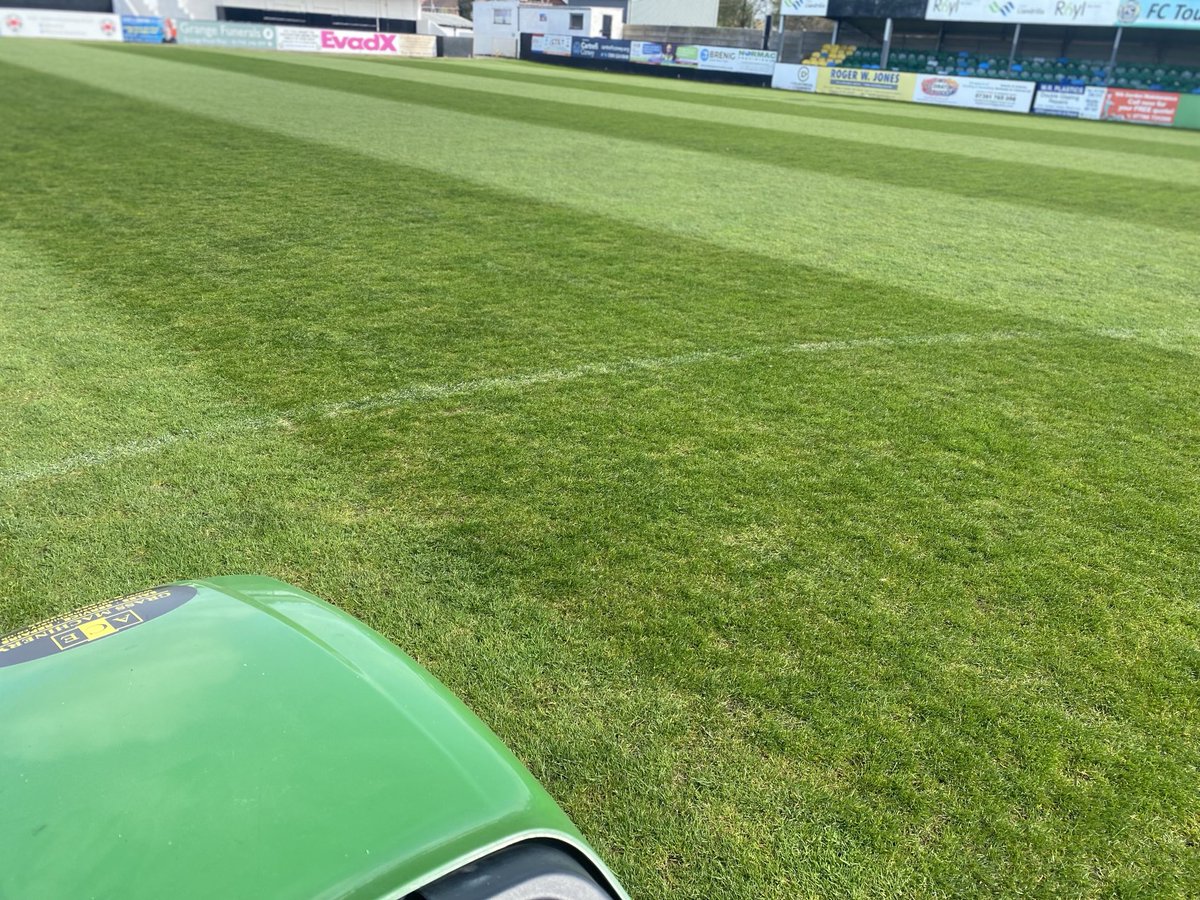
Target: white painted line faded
x,y
420,393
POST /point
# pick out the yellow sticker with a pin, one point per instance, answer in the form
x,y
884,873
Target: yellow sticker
x,y
97,628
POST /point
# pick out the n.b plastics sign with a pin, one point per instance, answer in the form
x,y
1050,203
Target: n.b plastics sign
x,y
1069,101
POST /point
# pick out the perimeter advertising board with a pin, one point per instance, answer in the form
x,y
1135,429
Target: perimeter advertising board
x,y
703,57
1145,107
1025,12
788,77
48,23
234,35
148,30
974,93
867,83
600,48
1164,14
369,43
551,44
719,59
1069,101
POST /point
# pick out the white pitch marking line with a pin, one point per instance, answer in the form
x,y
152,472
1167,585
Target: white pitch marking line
x,y
425,392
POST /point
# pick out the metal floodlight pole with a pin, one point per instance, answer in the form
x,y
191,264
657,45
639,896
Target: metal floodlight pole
x,y
1012,54
1112,60
837,25
782,31
887,44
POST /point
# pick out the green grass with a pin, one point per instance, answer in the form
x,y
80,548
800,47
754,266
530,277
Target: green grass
x,y
806,489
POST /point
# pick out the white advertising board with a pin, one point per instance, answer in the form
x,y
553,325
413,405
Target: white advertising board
x,y
1025,12
551,44
974,93
328,40
1069,101
788,77
49,23
732,59
804,8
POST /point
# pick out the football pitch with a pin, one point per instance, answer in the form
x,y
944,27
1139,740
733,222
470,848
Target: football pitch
x,y
806,489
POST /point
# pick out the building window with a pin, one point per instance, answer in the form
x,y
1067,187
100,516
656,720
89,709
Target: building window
x,y
576,21
502,16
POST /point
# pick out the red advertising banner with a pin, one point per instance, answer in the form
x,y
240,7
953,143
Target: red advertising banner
x,y
1147,107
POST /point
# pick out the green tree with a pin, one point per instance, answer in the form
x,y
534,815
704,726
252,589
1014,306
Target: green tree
x,y
736,13
745,13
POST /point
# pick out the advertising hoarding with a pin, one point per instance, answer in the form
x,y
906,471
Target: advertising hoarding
x,y
647,53
148,30
866,83
600,48
703,57
49,23
1159,14
1069,101
788,77
974,93
1025,12
233,35
1146,107
369,43
732,59
804,8
551,44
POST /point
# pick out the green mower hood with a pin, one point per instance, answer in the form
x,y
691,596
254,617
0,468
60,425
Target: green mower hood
x,y
238,737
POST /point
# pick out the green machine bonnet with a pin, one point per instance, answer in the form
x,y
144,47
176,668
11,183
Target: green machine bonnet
x,y
238,737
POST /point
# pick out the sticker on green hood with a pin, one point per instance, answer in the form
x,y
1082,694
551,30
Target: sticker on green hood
x,y
91,623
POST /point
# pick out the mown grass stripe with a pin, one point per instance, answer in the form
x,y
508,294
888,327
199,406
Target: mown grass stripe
x,y
1023,183
922,251
1096,162
872,113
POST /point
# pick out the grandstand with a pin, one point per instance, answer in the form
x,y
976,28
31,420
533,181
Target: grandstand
x,y
1105,44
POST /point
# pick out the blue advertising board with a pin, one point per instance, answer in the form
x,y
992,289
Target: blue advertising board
x,y
147,30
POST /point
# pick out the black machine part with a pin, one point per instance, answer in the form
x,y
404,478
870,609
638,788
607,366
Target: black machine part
x,y
532,870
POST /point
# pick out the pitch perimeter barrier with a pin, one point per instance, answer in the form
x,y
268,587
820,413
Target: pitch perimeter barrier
x,y
734,65
52,23
75,26
909,87
1097,103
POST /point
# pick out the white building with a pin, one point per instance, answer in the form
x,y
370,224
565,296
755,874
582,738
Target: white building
x,y
690,13
499,24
